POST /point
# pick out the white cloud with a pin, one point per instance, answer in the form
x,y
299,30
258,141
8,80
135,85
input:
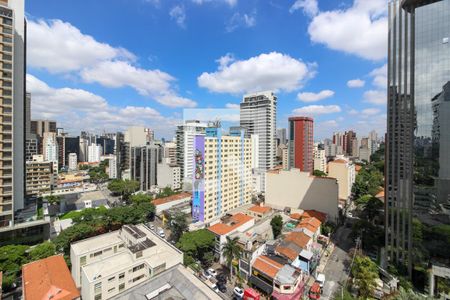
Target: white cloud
x,y
178,14
360,30
241,20
310,7
314,97
229,2
77,109
356,83
375,97
370,111
271,71
232,106
153,83
329,123
379,76
353,112
317,110
58,47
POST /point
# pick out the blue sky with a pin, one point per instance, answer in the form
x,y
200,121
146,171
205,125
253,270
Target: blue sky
x,y
105,65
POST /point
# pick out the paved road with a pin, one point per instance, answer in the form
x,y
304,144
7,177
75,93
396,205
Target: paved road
x,y
336,269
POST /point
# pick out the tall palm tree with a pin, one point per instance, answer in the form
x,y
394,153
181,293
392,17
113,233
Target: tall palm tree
x,y
231,250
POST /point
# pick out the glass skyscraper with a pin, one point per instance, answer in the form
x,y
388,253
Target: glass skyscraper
x,y
418,138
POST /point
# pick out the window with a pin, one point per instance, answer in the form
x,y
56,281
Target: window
x,y
111,279
138,278
98,297
121,286
7,21
98,287
137,268
111,290
95,254
138,254
82,260
121,276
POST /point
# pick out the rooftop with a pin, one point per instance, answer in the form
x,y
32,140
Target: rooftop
x,y
312,224
322,217
171,198
48,278
301,239
230,224
267,266
156,251
260,209
91,244
174,283
287,275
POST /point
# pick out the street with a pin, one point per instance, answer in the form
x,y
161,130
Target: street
x,y
336,271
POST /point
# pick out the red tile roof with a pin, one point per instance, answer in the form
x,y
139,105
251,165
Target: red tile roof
x,y
267,266
295,216
339,161
298,238
260,209
312,224
48,278
316,214
171,198
235,221
287,252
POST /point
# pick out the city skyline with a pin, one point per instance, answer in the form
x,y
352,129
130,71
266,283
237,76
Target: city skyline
x,y
124,83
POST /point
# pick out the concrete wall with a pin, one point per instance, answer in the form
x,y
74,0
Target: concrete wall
x,y
297,189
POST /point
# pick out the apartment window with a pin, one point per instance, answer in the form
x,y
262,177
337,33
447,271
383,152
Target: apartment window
x,y
121,286
107,249
82,260
111,290
98,297
98,287
7,48
95,254
111,279
137,268
121,246
138,278
7,30
7,21
121,276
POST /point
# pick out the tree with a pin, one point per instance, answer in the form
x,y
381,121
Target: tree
x,y
178,224
53,199
72,234
197,245
231,250
277,225
141,197
123,187
365,273
42,250
319,173
12,257
372,208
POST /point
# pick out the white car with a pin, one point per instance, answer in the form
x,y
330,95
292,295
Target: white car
x,y
206,275
215,288
321,280
212,272
152,227
238,292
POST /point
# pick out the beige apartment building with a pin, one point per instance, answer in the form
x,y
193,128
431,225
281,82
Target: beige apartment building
x,y
222,173
109,264
12,109
41,176
344,171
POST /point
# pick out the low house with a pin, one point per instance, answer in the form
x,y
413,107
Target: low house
x,y
312,225
48,278
264,270
229,225
288,284
259,211
166,203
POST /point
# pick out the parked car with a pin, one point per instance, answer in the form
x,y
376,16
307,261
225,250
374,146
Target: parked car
x,y
222,287
222,278
212,272
215,288
238,292
320,279
152,227
206,274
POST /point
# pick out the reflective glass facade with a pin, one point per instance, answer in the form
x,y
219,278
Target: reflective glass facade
x,y
418,141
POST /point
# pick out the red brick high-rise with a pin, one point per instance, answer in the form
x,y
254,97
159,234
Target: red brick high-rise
x,y
301,143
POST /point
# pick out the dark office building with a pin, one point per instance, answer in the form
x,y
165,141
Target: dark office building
x,y
107,145
418,128
71,145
